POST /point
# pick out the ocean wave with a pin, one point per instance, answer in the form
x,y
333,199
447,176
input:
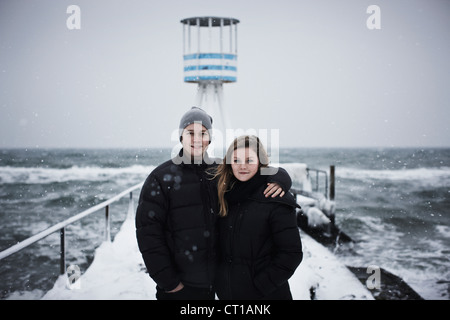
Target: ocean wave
x,y
444,231
432,176
438,177
24,175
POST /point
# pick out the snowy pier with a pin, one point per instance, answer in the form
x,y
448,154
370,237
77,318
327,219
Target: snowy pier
x,y
118,273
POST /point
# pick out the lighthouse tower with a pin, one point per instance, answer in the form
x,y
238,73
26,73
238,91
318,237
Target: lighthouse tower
x,y
210,59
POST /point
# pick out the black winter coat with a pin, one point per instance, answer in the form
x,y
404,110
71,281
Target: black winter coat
x,y
260,248
176,225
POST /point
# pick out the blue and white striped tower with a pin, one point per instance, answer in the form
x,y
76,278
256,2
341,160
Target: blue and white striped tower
x,y
210,59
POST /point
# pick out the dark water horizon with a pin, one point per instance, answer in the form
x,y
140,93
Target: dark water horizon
x,y
394,202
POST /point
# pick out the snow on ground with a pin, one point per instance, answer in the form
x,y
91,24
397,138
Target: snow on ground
x,y
118,273
329,278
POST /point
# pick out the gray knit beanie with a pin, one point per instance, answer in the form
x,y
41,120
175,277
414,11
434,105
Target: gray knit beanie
x,y
196,115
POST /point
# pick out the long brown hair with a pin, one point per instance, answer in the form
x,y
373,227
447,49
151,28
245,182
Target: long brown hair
x,y
224,171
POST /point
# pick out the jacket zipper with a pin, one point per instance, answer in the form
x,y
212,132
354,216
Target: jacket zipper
x,y
207,215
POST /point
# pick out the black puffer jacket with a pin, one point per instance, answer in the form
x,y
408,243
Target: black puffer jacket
x,y
260,247
176,225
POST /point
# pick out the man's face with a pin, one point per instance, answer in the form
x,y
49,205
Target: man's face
x,y
195,140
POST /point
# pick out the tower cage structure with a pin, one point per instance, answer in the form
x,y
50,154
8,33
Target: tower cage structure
x,y
210,59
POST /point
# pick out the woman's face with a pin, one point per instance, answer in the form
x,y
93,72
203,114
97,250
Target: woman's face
x,y
195,139
244,163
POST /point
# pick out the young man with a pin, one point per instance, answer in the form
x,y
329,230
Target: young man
x,y
176,219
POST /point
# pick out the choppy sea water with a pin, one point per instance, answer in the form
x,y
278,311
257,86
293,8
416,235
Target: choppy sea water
x,y
395,204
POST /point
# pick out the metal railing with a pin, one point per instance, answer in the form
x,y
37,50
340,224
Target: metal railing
x,y
316,179
319,183
61,227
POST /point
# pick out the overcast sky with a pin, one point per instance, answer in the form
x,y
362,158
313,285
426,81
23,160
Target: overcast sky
x,y
311,69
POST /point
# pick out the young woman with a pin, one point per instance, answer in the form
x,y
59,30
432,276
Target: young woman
x,y
259,239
